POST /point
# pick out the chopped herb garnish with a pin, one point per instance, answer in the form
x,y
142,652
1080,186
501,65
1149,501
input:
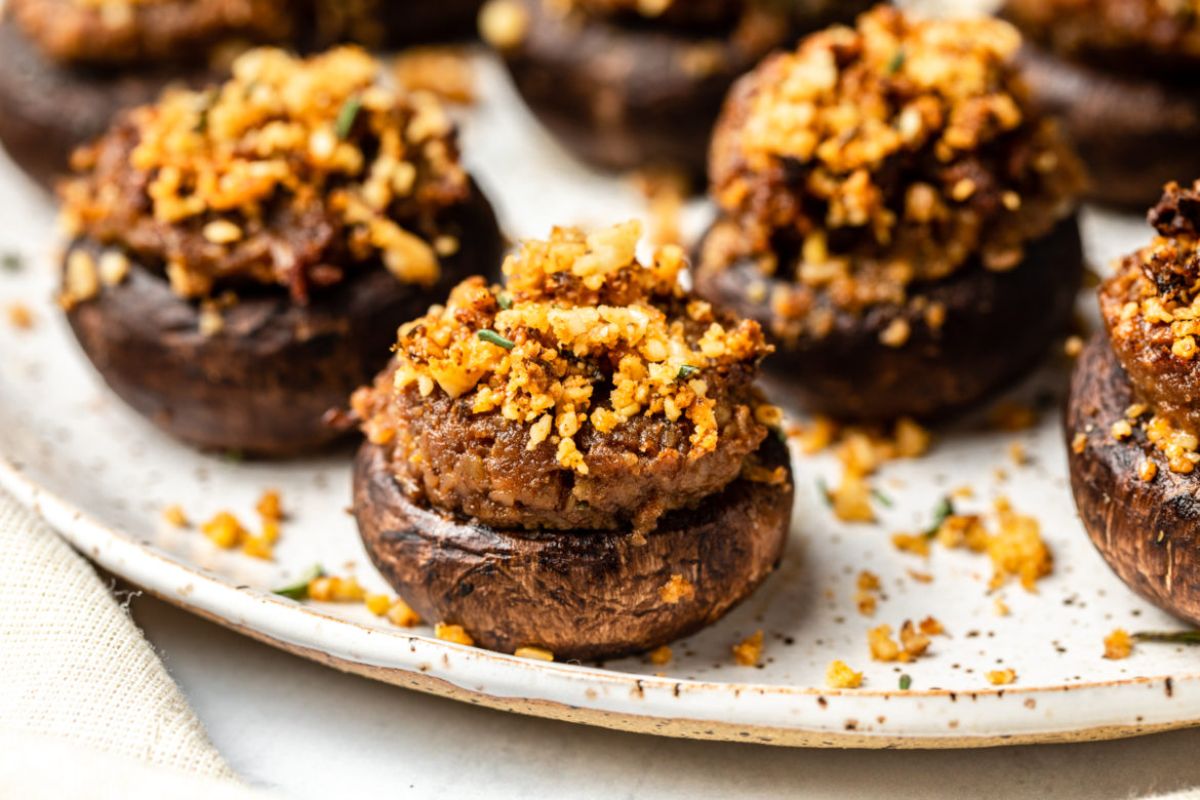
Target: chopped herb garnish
x,y
12,261
494,338
1169,637
504,301
347,116
897,62
235,456
686,371
780,434
298,589
905,682
823,488
941,512
883,499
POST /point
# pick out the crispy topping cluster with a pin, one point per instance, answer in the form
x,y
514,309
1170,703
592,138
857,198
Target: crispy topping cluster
x,y
288,173
583,334
1161,282
891,153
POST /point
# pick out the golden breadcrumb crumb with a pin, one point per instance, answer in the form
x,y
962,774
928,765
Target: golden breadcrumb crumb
x,y
840,676
1001,677
1118,645
401,614
332,589
453,633
748,652
660,656
675,590
534,653
174,516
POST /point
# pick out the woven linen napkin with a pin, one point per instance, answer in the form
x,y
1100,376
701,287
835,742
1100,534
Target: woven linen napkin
x,y
84,701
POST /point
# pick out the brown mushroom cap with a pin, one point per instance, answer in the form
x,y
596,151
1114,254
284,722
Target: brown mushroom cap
x,y
1134,134
49,110
627,97
579,594
996,326
262,384
1147,530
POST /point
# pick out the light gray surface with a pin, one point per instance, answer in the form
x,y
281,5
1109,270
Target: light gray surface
x,y
312,732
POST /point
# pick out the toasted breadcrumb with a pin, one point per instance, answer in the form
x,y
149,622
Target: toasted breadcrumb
x,y
675,590
332,589
175,516
453,633
1073,346
1079,443
534,653
20,317
401,614
1118,645
1001,677
378,604
1000,607
748,652
840,676
1013,417
660,656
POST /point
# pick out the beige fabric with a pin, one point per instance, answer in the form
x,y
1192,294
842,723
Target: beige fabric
x,y
74,669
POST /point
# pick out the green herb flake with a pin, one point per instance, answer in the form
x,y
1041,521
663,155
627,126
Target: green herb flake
x,y
897,62
347,116
882,498
12,261
941,512
298,589
504,300
491,337
234,456
686,371
1169,637
823,488
905,682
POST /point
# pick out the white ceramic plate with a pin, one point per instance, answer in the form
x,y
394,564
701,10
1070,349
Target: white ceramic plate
x,y
101,475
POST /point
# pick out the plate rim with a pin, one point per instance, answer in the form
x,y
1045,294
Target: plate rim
x,y
524,686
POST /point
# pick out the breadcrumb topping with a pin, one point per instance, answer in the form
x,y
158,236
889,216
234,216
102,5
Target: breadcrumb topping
x,y
1118,644
579,314
289,173
895,152
840,676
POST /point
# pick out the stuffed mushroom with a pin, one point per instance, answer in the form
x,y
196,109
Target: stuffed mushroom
x,y
1134,414
895,214
627,84
241,256
577,461
1122,76
70,66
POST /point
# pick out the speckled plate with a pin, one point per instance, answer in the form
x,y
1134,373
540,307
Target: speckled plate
x,y
101,475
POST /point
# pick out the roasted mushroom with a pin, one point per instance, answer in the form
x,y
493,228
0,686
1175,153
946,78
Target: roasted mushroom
x,y
1121,75
627,84
241,256
69,67
1134,413
578,461
894,215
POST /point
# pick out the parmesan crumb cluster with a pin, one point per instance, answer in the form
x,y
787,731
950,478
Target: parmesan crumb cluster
x,y
583,334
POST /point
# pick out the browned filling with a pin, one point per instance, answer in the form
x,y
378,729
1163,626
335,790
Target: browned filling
x,y
1151,309
115,32
591,392
894,153
292,173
